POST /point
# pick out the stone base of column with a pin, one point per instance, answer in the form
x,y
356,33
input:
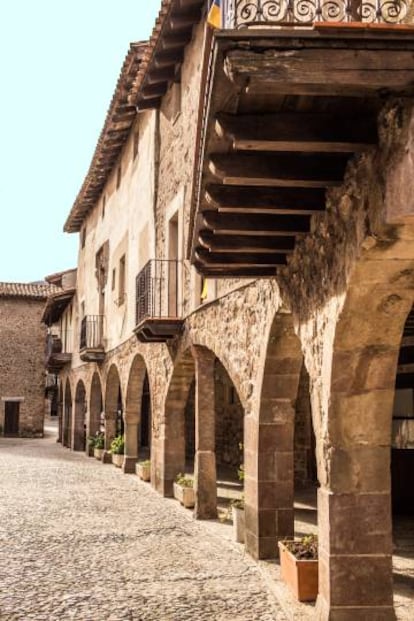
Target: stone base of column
x,y
89,451
128,466
377,613
205,486
107,457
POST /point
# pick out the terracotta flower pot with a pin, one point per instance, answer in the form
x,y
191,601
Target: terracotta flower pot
x,y
185,495
117,460
143,471
238,523
300,575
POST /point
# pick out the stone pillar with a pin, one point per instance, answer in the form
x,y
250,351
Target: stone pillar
x,y
205,456
110,433
131,443
354,499
269,446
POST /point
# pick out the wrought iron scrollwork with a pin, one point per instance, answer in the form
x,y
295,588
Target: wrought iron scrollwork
x,y
243,13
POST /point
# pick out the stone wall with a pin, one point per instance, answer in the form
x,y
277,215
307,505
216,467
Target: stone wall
x,y
22,359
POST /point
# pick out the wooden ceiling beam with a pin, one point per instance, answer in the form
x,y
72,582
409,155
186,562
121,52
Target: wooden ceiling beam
x,y
149,104
163,75
245,243
231,271
175,41
279,170
163,60
218,259
244,199
259,224
184,20
154,92
298,132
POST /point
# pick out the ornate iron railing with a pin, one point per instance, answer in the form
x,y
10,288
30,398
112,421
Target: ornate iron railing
x,y
91,334
243,13
157,290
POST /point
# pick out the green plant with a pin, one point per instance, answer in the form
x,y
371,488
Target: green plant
x,y
145,464
237,503
91,441
305,548
99,440
118,445
184,480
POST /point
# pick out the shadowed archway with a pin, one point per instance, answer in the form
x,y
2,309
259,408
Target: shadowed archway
x,y
137,415
67,415
79,426
113,407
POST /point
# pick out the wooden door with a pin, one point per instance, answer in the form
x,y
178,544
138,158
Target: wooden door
x,y
11,418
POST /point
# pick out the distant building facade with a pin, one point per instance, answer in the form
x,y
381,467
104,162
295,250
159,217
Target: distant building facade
x,y
22,353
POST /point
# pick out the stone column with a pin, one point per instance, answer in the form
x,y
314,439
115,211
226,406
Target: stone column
x,y
354,499
110,433
205,457
269,446
131,443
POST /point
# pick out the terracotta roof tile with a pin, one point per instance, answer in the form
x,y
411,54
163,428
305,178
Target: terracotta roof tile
x,y
27,290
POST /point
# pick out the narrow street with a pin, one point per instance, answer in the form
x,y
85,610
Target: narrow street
x,y
81,541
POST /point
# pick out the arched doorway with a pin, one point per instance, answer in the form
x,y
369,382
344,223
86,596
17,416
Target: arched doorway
x,y
67,416
79,427
137,416
113,410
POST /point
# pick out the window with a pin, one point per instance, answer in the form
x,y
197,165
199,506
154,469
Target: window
x,y
118,177
121,284
135,145
83,236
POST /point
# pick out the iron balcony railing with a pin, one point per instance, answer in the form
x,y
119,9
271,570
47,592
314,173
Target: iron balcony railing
x,y
58,343
244,13
157,290
91,334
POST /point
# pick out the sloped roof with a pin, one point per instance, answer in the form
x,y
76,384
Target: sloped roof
x,y
40,290
119,120
56,303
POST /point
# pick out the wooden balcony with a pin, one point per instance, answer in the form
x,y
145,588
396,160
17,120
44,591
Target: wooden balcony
x,y
283,112
92,339
158,308
56,354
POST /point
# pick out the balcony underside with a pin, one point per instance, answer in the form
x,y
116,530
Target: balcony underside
x,y
56,362
158,330
92,354
285,112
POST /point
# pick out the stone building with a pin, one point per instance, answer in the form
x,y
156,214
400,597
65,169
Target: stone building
x,y
246,275
22,353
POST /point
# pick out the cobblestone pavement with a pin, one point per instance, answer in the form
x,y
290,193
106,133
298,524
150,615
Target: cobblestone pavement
x,y
81,541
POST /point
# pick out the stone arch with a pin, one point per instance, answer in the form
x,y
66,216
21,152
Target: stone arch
x,y
67,414
269,442
138,379
79,419
352,404
113,405
95,405
60,411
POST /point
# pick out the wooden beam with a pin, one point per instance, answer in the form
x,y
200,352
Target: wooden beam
x,y
279,170
231,271
364,70
149,104
259,224
163,60
278,200
175,41
184,20
407,341
155,91
218,259
402,369
245,243
299,132
163,75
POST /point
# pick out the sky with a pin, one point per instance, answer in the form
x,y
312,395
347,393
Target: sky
x,y
59,63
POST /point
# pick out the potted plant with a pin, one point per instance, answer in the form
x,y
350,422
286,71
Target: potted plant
x,y
98,445
299,566
91,445
184,491
143,470
117,450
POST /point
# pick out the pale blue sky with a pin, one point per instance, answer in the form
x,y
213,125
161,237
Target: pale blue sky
x,y
59,62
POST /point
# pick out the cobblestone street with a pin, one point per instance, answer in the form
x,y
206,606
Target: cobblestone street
x,y
81,541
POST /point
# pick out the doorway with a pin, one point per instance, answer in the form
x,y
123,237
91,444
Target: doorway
x,y
11,418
